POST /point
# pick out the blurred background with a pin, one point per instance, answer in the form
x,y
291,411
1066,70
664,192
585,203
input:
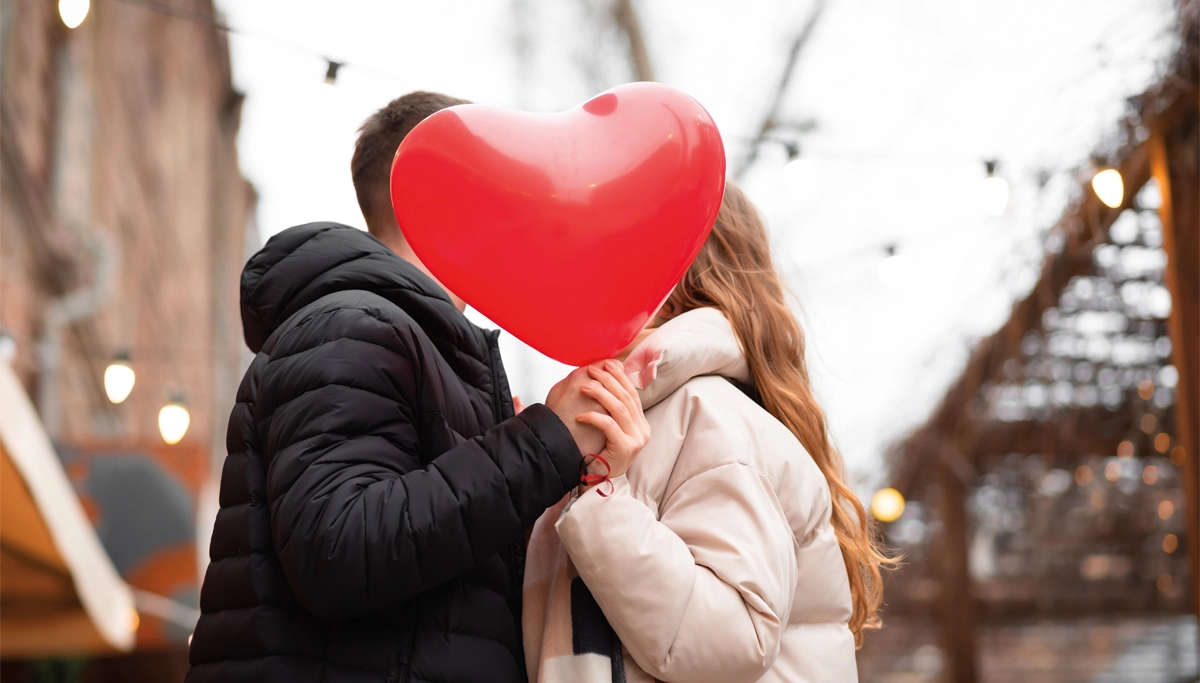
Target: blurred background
x,y
987,212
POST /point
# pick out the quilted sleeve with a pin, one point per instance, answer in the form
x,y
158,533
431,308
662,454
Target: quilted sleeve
x,y
358,525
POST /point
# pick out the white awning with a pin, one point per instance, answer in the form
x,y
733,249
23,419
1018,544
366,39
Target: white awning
x,y
60,593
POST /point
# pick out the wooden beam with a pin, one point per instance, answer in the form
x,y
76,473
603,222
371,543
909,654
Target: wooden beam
x,y
1085,225
956,608
1176,166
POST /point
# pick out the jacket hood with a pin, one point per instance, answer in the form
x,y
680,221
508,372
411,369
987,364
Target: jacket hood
x,y
699,342
302,264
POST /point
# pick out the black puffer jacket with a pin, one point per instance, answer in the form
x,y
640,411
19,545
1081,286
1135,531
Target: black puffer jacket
x,y
377,487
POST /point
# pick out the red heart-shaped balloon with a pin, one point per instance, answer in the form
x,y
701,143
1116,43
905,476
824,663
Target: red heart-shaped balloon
x,y
568,230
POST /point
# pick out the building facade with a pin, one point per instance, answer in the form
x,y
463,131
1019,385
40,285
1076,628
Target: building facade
x,y
124,224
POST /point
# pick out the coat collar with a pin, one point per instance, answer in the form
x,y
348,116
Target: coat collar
x,y
698,342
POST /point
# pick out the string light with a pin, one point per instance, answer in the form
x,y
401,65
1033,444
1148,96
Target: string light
x,y
1112,471
1164,583
173,421
1109,187
1166,510
798,172
895,270
8,346
331,72
1083,475
1178,455
1162,442
119,378
73,12
994,191
887,505
1150,475
1149,423
1170,543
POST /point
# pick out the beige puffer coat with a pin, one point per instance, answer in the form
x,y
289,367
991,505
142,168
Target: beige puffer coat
x,y
714,560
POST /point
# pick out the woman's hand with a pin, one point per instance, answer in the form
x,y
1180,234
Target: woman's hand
x,y
625,428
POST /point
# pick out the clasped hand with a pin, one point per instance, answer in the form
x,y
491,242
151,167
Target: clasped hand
x,y
603,411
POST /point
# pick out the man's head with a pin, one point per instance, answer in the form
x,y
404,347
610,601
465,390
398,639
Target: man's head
x,y
378,138
371,166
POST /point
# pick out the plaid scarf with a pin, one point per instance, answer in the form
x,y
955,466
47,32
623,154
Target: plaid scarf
x,y
567,638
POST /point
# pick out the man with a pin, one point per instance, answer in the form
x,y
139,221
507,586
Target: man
x,y
378,486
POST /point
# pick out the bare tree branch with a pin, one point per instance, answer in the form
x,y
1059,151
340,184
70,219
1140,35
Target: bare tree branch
x,y
627,19
789,67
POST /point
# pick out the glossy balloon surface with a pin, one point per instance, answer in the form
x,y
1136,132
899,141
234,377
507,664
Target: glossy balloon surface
x,y
568,230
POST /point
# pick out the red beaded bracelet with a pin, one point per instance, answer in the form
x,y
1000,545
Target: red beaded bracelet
x,y
588,479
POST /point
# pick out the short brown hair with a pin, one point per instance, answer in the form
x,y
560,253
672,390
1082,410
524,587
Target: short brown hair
x,y
378,138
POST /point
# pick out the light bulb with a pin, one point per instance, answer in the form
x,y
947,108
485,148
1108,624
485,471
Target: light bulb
x,y
1109,187
994,191
331,72
173,421
73,12
994,195
799,176
119,379
887,505
8,346
896,271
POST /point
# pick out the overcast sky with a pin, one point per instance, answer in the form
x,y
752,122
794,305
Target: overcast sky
x,y
904,102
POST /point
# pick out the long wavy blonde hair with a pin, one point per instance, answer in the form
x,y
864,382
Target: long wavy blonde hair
x,y
734,274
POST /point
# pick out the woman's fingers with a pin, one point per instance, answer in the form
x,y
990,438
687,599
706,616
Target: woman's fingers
x,y
602,390
601,374
618,370
612,431
611,375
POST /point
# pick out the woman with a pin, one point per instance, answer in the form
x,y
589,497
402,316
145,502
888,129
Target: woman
x,y
731,549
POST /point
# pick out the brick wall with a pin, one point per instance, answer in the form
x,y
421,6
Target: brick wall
x,y
120,136
121,197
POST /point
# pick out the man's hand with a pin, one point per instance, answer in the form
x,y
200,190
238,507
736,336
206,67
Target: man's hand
x,y
623,422
568,402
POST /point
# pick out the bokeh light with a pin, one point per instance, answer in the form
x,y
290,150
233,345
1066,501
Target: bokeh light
x,y
1170,543
1162,442
887,505
1150,475
1109,187
1166,510
173,421
119,379
73,12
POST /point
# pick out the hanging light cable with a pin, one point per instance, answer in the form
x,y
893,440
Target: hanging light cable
x,y
119,378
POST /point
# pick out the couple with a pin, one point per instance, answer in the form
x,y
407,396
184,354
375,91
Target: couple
x,y
385,516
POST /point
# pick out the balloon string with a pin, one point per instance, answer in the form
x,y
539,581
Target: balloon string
x,y
588,479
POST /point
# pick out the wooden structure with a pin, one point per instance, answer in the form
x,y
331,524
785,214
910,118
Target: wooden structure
x,y
1039,404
